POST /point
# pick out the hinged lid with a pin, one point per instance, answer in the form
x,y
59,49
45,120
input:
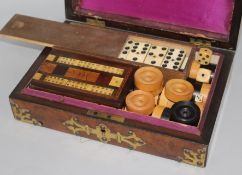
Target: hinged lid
x,y
217,21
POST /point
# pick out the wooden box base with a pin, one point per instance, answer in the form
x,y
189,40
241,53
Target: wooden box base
x,y
183,143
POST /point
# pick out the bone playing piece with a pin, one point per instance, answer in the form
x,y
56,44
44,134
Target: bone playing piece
x,y
161,112
179,90
140,102
194,69
149,79
204,75
163,101
185,112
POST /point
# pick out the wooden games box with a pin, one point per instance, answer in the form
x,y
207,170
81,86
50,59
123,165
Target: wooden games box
x,y
138,77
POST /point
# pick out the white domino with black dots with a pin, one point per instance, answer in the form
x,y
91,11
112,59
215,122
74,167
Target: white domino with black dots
x,y
174,59
138,52
126,49
156,55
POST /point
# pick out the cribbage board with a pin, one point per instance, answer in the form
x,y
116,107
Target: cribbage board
x,y
85,78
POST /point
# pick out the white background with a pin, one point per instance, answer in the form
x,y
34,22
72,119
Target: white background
x,y
29,150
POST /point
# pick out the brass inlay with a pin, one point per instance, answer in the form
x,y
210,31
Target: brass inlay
x,y
23,115
200,43
51,57
96,22
197,158
37,76
104,134
116,82
90,65
106,116
79,85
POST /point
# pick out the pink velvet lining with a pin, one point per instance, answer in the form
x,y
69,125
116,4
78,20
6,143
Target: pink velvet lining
x,y
208,15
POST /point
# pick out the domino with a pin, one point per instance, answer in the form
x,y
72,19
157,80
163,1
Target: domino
x,y
126,49
174,59
156,55
138,52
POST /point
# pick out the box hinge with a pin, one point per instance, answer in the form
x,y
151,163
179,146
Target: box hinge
x,y
95,22
201,43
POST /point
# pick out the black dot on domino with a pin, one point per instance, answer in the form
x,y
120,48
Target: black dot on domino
x,y
161,55
153,62
136,44
168,57
130,42
182,51
135,59
147,45
145,48
125,52
163,48
127,48
177,63
135,47
166,62
164,65
154,47
178,59
172,50
143,52
170,53
133,50
151,53
180,55
175,67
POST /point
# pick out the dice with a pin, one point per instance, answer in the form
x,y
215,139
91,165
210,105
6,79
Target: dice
x,y
204,56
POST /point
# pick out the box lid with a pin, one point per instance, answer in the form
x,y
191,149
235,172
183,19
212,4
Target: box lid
x,y
217,21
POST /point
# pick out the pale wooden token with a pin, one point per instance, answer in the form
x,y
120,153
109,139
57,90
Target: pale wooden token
x,y
194,69
201,105
157,92
205,91
179,90
163,101
157,112
148,79
140,102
